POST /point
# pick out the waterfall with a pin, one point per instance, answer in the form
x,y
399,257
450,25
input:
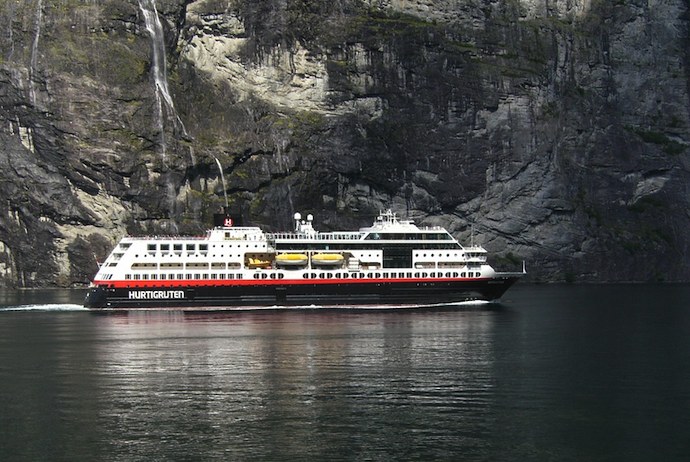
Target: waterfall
x,y
34,51
159,70
222,178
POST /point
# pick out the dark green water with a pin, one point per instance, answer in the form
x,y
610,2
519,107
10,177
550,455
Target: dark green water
x,y
562,373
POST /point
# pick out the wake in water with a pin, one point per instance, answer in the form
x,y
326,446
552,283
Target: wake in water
x,y
45,307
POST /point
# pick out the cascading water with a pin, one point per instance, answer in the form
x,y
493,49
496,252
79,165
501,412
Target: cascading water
x,y
222,178
160,81
159,67
34,51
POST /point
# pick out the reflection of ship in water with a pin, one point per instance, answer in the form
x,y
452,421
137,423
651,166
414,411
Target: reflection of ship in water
x,y
392,263
248,371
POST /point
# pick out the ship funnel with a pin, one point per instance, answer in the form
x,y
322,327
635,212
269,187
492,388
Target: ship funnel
x,y
225,219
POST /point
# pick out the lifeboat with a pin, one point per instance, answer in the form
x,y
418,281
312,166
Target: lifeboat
x,y
291,259
327,259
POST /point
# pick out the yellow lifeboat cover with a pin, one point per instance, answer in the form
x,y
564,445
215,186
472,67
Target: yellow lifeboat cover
x,y
327,257
291,258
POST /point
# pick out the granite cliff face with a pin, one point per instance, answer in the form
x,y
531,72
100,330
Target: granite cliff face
x,y
559,131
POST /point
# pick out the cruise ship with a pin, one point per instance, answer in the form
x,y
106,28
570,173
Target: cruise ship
x,y
392,264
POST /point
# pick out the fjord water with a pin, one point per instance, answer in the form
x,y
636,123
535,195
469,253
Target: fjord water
x,y
552,373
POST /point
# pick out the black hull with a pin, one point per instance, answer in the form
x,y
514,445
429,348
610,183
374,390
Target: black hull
x,y
250,296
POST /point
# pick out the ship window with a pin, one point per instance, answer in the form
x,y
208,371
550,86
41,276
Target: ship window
x,y
203,248
305,276
177,247
128,276
151,247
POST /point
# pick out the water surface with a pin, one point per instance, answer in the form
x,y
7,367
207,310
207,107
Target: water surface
x,y
553,373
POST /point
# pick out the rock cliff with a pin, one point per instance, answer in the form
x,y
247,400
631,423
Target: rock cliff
x,y
556,131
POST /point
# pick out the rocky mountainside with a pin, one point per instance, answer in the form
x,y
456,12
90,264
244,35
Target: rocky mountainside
x,y
556,131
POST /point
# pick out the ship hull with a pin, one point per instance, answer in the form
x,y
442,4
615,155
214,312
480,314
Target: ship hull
x,y
307,294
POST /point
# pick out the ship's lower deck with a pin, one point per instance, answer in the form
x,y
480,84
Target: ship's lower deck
x,y
245,294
